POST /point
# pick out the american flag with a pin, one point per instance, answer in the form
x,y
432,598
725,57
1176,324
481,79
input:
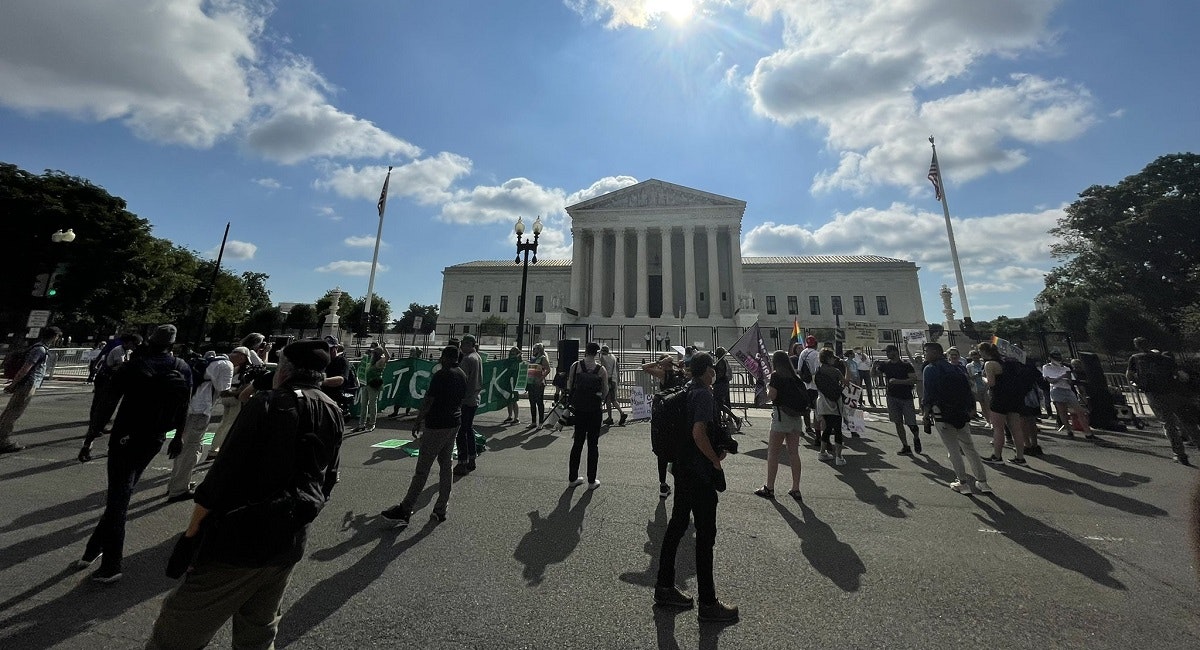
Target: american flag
x,y
383,195
935,177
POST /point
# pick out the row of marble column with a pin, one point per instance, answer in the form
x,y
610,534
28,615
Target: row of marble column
x,y
594,239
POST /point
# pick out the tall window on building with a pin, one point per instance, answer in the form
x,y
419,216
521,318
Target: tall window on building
x,y
487,303
885,335
814,305
793,305
770,304
503,303
836,304
881,305
860,306
470,304
538,304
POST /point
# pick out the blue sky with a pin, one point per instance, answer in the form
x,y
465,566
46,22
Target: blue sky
x,y
283,117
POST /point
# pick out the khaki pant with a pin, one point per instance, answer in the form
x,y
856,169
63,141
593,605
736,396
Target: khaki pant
x,y
17,404
959,443
193,451
230,407
213,593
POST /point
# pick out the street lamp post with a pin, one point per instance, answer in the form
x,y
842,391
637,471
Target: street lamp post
x,y
526,248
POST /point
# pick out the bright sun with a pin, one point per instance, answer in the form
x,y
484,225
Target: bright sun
x,y
678,10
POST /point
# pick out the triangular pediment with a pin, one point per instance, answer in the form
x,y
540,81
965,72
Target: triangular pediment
x,y
654,193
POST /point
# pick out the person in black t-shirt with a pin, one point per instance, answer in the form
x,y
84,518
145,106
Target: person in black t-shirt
x,y
899,377
441,412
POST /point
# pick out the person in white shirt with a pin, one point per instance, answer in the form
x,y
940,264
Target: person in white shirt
x,y
1062,394
862,365
186,448
811,357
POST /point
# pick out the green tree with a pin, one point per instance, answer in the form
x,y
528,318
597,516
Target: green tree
x,y
428,314
1138,237
381,312
301,317
255,285
1116,320
345,305
264,321
1071,315
492,326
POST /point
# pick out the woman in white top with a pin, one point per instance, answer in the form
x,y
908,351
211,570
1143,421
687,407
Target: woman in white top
x,y
1062,394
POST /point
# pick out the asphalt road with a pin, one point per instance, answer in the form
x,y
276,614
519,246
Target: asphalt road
x,y
1085,547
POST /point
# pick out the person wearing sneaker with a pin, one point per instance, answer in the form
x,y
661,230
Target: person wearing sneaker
x,y
1006,392
472,366
441,415
377,358
830,380
253,509
1162,382
698,474
187,448
609,361
899,377
790,399
587,383
668,377
949,404
24,385
154,388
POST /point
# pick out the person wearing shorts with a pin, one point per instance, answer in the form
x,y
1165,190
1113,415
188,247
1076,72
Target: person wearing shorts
x,y
899,377
787,423
1062,394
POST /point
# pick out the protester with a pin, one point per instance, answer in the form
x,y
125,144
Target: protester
x,y
611,365
862,364
830,380
341,382
698,476
1158,377
1062,394
187,446
153,389
790,400
472,367
104,400
539,369
376,361
810,357
250,521
514,404
949,404
899,377
978,385
668,376
586,384
1006,399
440,414
24,385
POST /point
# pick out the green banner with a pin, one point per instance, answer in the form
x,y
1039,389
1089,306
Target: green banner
x,y
405,381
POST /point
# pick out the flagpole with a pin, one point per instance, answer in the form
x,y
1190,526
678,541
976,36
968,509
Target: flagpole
x,y
375,258
962,291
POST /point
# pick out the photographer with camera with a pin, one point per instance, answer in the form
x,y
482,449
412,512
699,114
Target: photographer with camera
x,y
698,479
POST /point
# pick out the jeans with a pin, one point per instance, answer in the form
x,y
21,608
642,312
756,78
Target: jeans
x,y
537,402
230,407
186,461
958,442
699,500
213,593
587,428
127,459
466,434
436,444
104,404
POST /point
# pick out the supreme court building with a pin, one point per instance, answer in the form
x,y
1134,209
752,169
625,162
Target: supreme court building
x,y
657,256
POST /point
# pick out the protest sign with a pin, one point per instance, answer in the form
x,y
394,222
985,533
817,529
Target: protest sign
x,y
406,380
639,403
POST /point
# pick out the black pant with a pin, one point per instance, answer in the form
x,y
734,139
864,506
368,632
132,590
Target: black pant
x,y
127,459
833,427
662,469
864,376
104,404
466,435
587,428
698,499
537,402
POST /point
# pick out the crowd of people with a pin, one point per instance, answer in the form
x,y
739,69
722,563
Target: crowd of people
x,y
275,455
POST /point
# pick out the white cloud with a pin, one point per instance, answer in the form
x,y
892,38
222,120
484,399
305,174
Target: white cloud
x,y
1020,273
362,241
329,213
347,267
187,72
600,188
235,250
631,13
990,287
269,183
428,180
875,74
517,197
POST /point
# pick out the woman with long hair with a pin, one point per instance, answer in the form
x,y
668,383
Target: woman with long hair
x,y
1006,401
787,393
539,369
830,380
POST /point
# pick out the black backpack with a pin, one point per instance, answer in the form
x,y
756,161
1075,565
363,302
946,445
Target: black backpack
x,y
803,370
16,359
957,403
587,389
1155,373
829,384
669,422
1026,378
792,397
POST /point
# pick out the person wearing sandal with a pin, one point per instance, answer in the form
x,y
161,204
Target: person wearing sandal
x,y
790,398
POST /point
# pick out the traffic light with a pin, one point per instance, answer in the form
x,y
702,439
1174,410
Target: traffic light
x,y
41,283
52,284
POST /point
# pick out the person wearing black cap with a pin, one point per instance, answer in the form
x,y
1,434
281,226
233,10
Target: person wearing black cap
x,y
587,383
275,473
441,414
153,388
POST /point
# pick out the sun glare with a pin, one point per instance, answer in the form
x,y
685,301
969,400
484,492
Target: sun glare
x,y
677,10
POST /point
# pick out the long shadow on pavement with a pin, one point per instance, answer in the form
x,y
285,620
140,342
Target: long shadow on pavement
x,y
551,539
1047,542
331,594
38,469
830,556
87,604
1034,476
656,529
664,626
1096,474
857,475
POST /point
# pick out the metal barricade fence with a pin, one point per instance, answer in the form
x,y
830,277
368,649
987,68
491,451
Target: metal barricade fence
x,y
69,363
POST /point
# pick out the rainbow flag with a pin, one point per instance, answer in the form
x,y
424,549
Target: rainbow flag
x,y
796,330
